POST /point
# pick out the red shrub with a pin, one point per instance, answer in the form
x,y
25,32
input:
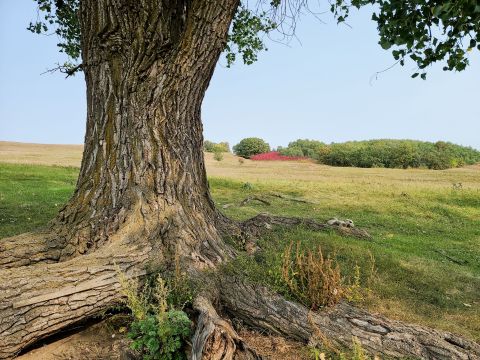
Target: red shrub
x,y
275,156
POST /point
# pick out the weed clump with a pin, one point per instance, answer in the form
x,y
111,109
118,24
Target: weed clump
x,y
159,330
313,279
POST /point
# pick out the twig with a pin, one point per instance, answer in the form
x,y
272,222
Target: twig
x,y
281,196
64,69
253,198
448,257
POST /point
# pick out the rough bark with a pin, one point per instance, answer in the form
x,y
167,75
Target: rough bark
x,y
142,181
260,308
215,338
39,300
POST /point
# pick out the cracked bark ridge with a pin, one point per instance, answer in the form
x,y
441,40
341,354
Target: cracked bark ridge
x,y
261,309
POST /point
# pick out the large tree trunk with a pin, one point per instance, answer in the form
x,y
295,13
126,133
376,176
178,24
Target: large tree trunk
x,y
147,66
142,181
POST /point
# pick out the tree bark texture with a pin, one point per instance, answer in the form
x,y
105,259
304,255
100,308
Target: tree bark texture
x,y
147,66
39,300
215,338
142,182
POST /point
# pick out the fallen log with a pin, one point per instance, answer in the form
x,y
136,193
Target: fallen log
x,y
258,224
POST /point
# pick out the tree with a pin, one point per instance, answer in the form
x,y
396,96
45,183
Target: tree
x,y
210,146
142,197
303,147
251,146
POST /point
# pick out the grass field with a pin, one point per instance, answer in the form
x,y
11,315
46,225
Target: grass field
x,y
426,232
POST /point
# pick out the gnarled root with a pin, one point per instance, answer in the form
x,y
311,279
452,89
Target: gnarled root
x,y
41,299
260,308
215,338
257,225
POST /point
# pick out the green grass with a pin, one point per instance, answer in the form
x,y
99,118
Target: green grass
x,y
425,237
31,195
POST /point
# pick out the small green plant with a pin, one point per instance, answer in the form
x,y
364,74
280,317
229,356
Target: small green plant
x,y
157,331
161,336
218,155
354,292
247,186
317,354
457,186
357,352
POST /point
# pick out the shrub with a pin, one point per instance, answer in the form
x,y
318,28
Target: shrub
x,y
217,155
251,146
303,148
274,156
247,186
313,279
208,146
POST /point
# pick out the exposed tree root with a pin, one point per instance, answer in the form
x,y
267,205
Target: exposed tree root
x,y
39,300
30,248
258,224
289,198
253,198
215,338
260,308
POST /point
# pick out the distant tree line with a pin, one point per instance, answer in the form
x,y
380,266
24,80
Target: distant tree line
x,y
386,153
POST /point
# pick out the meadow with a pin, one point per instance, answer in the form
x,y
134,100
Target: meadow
x,y
425,224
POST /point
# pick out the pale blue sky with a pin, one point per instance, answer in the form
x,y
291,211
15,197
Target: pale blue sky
x,y
319,89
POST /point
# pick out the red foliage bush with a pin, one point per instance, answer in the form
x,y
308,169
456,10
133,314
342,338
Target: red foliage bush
x,y
275,156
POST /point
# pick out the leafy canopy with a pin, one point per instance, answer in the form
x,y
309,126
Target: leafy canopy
x,y
251,146
425,31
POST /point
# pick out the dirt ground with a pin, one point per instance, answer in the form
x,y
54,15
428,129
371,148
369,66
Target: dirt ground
x,y
106,340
